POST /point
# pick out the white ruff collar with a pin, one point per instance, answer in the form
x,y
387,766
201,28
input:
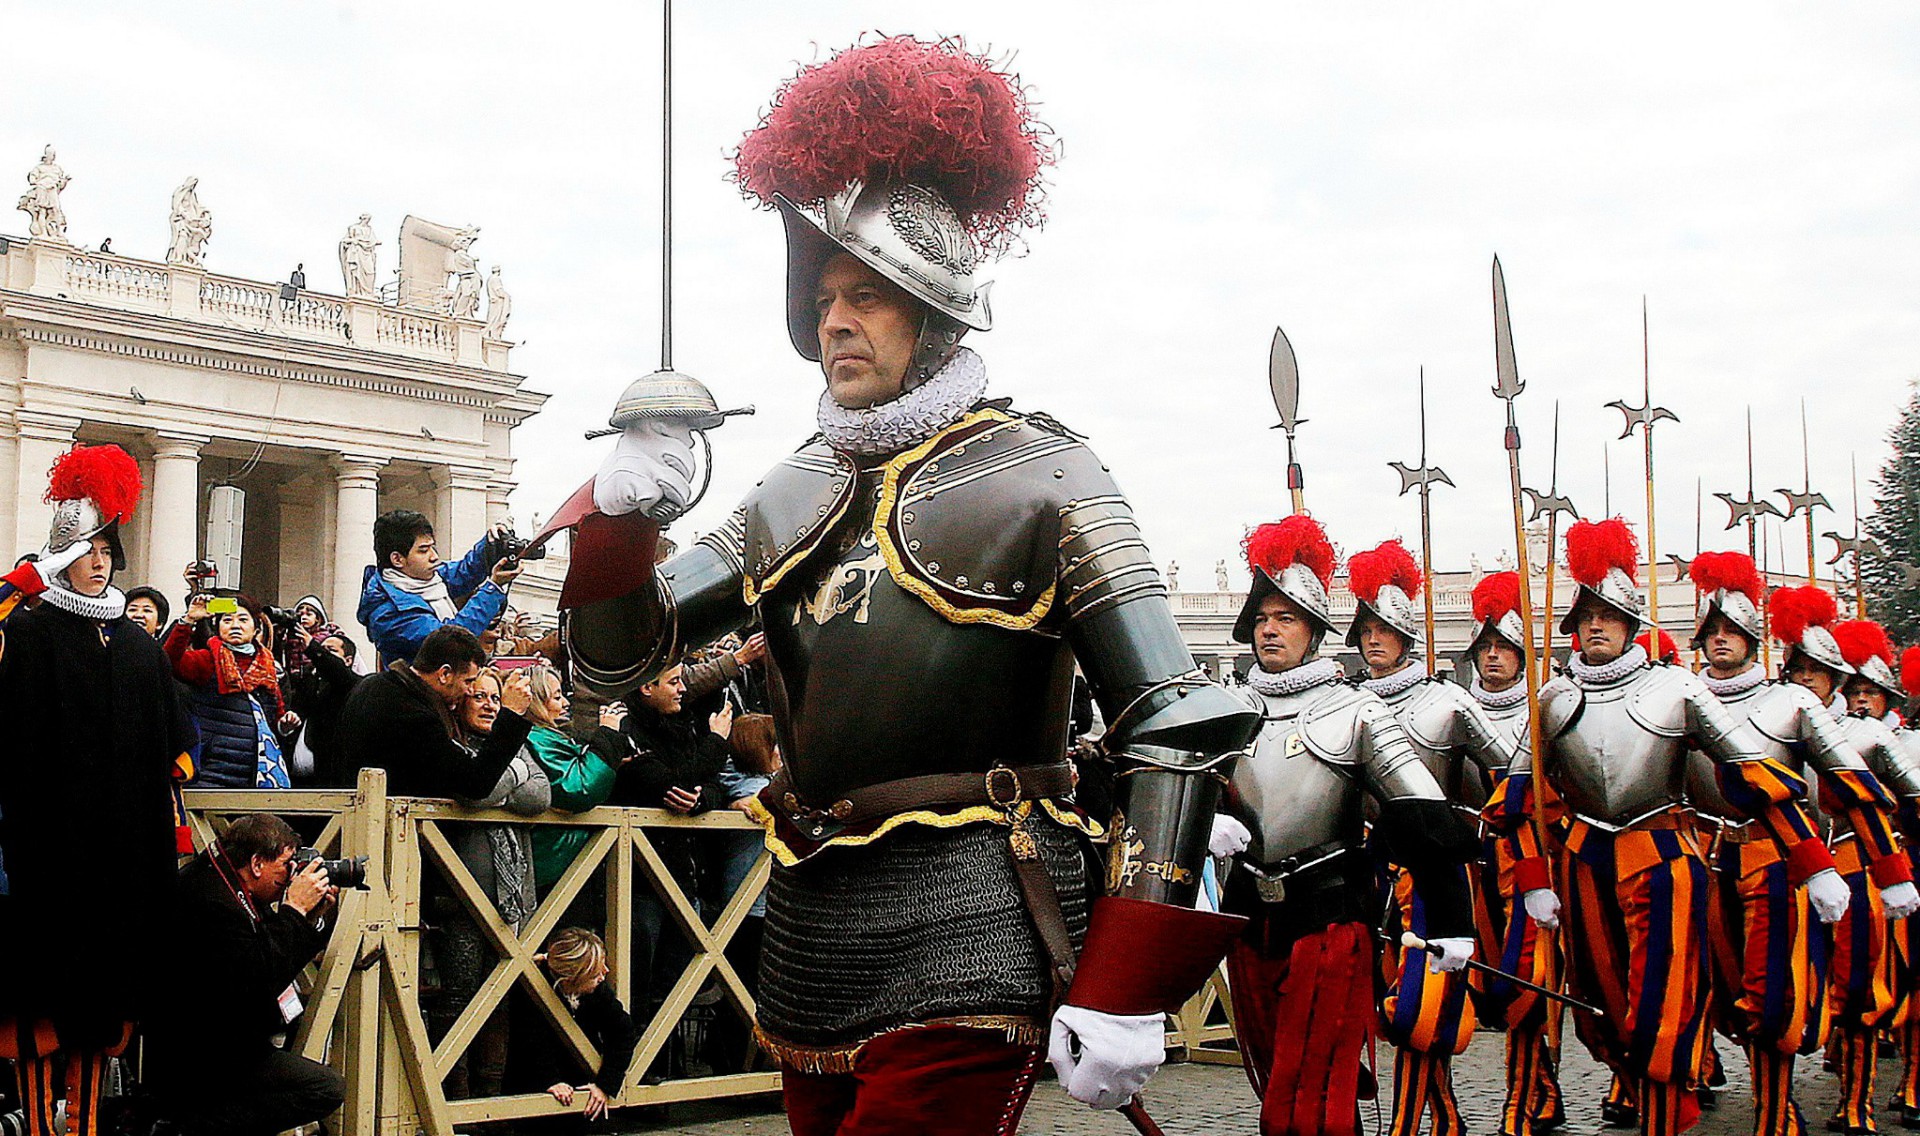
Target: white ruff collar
x,y
108,605
1406,678
1499,699
1588,675
910,419
1306,676
1739,684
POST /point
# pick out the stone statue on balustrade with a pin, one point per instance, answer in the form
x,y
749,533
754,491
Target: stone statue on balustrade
x,y
465,301
357,264
1476,571
41,203
192,225
1173,575
1220,581
499,305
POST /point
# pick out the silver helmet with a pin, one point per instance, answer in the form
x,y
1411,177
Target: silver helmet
x,y
1801,619
1738,610
1294,558
1865,646
1819,645
1394,608
1298,585
1614,590
77,520
908,234
1729,585
1384,581
1496,610
92,489
1879,672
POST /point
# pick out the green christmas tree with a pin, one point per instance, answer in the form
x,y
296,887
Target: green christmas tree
x,y
1893,577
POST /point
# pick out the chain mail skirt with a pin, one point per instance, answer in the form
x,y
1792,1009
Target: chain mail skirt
x,y
929,924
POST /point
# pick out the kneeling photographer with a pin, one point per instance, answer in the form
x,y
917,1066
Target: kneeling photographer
x,y
251,912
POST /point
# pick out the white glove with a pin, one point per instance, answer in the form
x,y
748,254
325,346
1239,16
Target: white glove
x,y
1447,955
1829,895
51,564
1103,1059
1901,900
652,463
1543,907
1229,838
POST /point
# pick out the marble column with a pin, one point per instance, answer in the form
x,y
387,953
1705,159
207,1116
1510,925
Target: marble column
x,y
173,529
43,438
498,507
356,503
460,505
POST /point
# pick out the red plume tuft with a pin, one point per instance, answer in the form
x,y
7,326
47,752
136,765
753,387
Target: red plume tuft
x,y
1862,639
1910,671
1390,563
1669,651
1297,540
1496,595
1791,611
1595,546
1734,571
904,109
105,475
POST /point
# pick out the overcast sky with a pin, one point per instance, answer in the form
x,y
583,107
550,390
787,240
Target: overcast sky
x,y
1347,172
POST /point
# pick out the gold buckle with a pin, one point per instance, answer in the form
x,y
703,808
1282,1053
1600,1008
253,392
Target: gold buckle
x,y
993,797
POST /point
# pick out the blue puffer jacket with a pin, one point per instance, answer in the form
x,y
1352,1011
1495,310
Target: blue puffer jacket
x,y
398,621
229,743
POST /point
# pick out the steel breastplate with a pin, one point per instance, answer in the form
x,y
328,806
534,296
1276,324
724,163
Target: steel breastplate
x,y
1290,797
1623,755
1512,722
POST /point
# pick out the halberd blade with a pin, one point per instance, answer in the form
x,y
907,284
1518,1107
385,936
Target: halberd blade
x,y
1510,384
1283,375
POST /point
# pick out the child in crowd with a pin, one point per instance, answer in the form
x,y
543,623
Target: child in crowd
x,y
577,960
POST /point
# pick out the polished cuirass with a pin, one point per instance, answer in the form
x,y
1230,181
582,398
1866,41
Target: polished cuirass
x,y
1319,753
1617,750
1456,741
1512,726
1791,727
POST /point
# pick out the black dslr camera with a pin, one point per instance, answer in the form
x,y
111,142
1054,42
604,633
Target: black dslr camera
x,y
348,873
283,619
507,546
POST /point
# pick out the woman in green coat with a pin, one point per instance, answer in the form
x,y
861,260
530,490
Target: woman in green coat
x,y
581,774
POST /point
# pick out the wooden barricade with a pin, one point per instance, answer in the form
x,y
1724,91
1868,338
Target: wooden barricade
x,y
364,1015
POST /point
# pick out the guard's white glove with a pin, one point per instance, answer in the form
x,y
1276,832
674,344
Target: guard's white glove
x,y
651,464
1829,895
1447,955
1543,907
1901,900
51,564
1103,1059
1230,837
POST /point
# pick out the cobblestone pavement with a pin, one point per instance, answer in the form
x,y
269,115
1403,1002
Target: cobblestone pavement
x,y
1193,1099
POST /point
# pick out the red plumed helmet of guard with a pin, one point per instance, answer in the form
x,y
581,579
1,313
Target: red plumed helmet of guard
x,y
1861,640
105,475
1390,563
1790,611
1732,571
1668,650
1298,539
1910,671
1496,595
1594,547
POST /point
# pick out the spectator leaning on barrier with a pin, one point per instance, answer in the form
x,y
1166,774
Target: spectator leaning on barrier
x,y
233,694
402,720
582,775
248,922
577,960
408,591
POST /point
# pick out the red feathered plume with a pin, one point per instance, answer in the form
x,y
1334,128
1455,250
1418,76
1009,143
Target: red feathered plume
x,y
1669,650
1595,546
1910,672
1734,571
1391,563
1862,639
1790,611
1297,540
104,475
903,109
1496,595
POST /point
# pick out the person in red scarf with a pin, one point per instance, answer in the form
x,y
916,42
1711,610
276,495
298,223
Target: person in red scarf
x,y
233,694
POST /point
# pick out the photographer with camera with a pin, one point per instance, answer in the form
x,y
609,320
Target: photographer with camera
x,y
250,914
409,591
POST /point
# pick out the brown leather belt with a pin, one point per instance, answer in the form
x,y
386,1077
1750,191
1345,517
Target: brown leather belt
x,y
1003,787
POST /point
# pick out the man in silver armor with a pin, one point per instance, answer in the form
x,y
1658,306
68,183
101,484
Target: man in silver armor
x,y
1515,943
1617,728
1428,1017
1302,976
1864,1000
1772,986
1906,942
928,571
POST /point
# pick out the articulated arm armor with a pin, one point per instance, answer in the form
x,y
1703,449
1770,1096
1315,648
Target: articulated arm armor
x,y
1885,754
1448,728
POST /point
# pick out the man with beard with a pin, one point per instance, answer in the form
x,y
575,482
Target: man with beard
x,y
1617,728
928,570
1773,979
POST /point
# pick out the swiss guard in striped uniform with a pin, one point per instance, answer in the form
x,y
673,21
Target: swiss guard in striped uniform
x,y
1617,729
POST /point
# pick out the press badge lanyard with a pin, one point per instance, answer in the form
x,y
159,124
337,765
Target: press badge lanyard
x,y
289,999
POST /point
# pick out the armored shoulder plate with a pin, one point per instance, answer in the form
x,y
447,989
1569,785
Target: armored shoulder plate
x,y
789,512
1330,728
1431,716
1560,703
1778,711
1658,701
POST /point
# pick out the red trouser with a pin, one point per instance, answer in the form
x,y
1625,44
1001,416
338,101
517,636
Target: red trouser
x,y
938,1080
1303,1014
